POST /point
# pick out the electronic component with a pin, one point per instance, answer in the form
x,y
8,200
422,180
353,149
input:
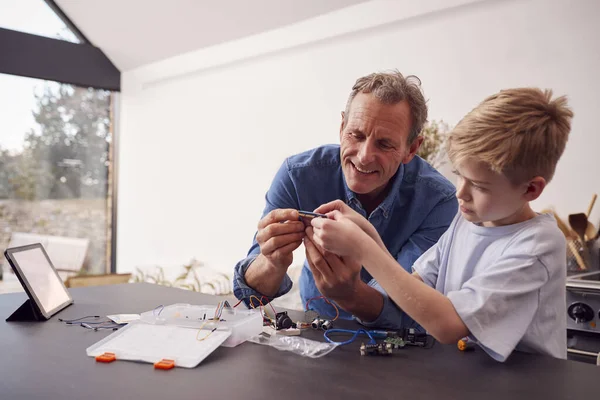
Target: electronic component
x,y
301,325
315,315
466,344
316,323
396,342
405,337
320,323
283,321
310,215
269,330
413,337
380,349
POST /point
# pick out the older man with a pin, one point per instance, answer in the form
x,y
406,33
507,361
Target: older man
x,y
375,171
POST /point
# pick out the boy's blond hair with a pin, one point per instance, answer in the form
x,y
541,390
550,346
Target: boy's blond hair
x,y
520,133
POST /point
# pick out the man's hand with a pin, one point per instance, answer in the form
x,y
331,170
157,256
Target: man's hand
x,y
279,234
338,278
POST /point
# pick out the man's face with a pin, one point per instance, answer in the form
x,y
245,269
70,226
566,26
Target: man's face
x,y
488,197
374,143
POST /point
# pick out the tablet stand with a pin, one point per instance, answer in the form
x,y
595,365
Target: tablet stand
x,y
26,312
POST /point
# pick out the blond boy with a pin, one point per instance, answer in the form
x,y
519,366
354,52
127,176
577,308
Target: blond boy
x,y
498,273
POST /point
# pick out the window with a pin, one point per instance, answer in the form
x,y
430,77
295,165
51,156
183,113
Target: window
x,y
35,17
55,164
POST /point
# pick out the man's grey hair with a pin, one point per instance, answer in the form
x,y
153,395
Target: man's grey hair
x,y
392,87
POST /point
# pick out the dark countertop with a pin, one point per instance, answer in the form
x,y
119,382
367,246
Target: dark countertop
x,y
48,360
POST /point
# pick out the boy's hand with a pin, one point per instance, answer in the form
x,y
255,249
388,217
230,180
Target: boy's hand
x,y
342,208
339,235
345,210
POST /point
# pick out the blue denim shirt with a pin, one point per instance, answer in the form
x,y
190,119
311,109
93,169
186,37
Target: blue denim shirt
x,y
416,212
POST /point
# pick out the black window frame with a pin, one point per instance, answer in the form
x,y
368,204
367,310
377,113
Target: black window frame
x,y
80,64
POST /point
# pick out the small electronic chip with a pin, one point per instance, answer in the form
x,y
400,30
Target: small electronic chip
x,y
381,349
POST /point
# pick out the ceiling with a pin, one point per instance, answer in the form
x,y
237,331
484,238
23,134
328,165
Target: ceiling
x,y
133,33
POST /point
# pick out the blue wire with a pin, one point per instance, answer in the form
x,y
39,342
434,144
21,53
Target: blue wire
x,y
379,334
352,339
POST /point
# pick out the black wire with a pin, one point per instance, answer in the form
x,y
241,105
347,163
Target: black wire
x,y
69,321
112,326
161,310
432,341
91,322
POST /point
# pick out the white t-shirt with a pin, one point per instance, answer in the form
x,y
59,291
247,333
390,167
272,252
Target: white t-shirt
x,y
507,283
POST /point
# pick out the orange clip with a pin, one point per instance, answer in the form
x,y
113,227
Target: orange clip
x,y
465,344
106,357
164,364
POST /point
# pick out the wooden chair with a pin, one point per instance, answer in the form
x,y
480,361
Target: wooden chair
x,y
67,253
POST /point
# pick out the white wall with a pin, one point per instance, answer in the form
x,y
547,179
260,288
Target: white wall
x,y
202,134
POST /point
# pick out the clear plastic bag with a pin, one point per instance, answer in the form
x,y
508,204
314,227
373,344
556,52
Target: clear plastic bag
x,y
295,344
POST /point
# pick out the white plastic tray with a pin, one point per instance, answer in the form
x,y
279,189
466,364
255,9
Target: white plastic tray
x,y
149,343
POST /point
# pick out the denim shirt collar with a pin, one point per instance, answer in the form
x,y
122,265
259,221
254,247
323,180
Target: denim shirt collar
x,y
387,203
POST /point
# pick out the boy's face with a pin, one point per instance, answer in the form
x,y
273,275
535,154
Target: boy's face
x,y
490,198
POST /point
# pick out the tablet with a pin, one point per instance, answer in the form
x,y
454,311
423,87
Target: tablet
x,y
39,278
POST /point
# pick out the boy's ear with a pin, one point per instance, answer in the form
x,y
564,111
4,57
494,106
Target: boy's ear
x,y
535,187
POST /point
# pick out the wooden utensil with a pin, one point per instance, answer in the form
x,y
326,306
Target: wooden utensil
x,y
590,230
579,224
572,240
564,228
591,206
575,253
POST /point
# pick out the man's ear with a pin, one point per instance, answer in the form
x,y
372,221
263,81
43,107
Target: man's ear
x,y
342,124
534,188
412,150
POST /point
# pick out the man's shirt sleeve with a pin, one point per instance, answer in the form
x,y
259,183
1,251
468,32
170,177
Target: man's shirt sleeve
x,y
281,194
